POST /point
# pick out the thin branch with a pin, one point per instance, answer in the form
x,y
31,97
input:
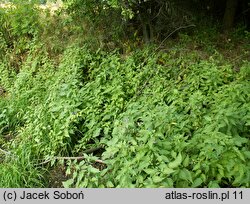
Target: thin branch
x,y
145,84
148,79
91,150
182,27
245,11
78,158
157,13
88,151
44,162
68,158
5,152
238,58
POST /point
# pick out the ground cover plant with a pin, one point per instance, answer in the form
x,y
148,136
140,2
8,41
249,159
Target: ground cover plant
x,y
122,113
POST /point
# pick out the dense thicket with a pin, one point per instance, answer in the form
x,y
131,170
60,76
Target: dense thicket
x,y
87,105
155,19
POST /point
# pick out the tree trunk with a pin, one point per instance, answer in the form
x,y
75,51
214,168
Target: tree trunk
x,y
147,29
228,20
245,9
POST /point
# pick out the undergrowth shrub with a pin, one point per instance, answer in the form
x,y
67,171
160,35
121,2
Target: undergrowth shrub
x,y
39,108
19,31
186,124
158,119
54,99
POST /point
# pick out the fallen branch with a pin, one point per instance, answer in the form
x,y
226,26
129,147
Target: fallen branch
x,y
79,158
68,158
88,151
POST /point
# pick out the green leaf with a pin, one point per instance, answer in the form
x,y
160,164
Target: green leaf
x,y
157,179
68,171
110,184
241,156
168,171
186,161
176,162
213,184
97,132
68,183
240,175
169,183
150,171
221,172
185,175
93,170
197,166
197,182
247,154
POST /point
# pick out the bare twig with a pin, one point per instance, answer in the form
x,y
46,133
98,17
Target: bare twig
x,y
88,151
245,11
158,13
238,58
5,152
78,158
91,150
68,158
182,27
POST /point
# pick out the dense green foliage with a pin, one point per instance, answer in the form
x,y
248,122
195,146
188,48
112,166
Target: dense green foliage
x,y
182,124
177,116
